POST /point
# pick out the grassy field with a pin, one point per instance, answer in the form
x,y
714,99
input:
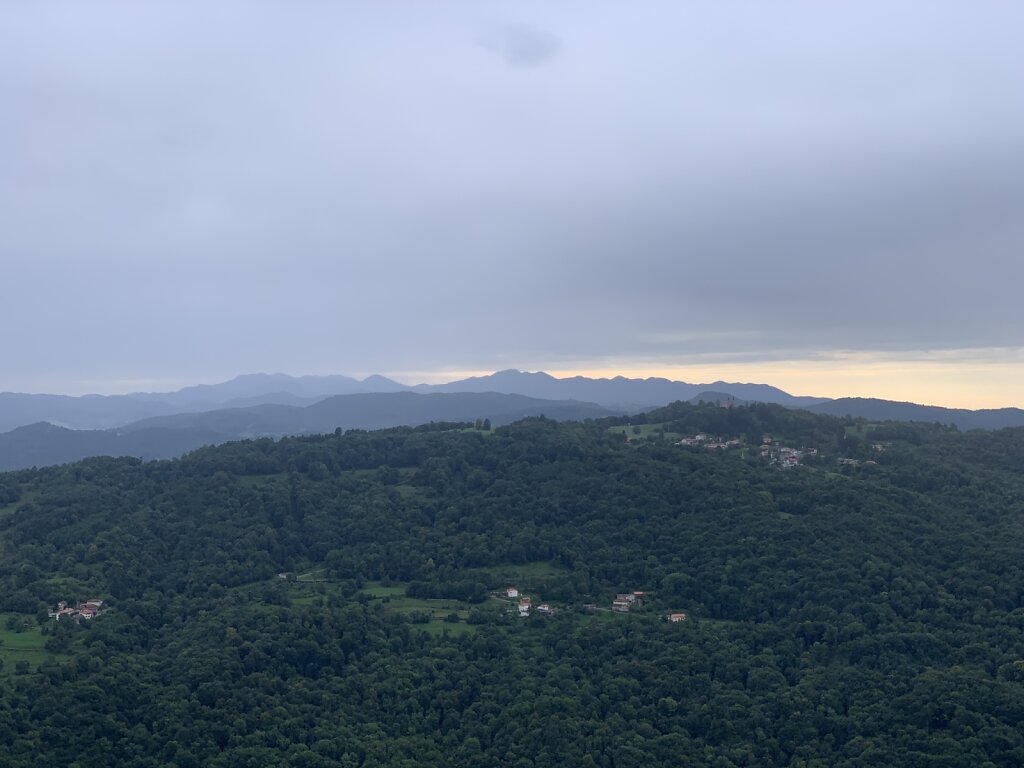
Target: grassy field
x,y
28,645
392,597
376,589
26,498
410,491
311,586
645,431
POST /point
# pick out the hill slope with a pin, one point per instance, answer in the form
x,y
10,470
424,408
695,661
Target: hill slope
x,y
169,436
888,410
324,600
111,411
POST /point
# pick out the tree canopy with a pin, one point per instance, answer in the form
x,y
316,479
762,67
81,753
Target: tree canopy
x,y
270,601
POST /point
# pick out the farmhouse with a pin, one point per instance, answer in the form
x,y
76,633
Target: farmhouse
x,y
624,602
87,610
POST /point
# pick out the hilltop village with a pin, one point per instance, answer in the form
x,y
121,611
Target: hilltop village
x,y
772,451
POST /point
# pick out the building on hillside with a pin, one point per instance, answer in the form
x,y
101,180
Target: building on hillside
x,y
87,610
511,592
624,602
676,617
524,606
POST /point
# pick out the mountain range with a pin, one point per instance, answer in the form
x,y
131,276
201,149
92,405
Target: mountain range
x,y
42,429
110,411
889,410
164,437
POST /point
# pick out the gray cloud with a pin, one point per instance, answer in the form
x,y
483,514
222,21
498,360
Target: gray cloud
x,y
202,189
521,45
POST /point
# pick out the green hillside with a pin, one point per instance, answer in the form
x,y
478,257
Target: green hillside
x,y
340,600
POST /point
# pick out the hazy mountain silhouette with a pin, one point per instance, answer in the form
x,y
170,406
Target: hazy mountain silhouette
x,y
889,410
169,436
109,411
39,445
98,412
619,391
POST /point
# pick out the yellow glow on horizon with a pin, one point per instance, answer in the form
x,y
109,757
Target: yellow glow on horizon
x,y
975,379
992,378
951,385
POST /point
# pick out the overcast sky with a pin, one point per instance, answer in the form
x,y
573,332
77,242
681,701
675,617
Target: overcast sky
x,y
822,196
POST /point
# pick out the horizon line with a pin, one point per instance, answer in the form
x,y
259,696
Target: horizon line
x,y
807,373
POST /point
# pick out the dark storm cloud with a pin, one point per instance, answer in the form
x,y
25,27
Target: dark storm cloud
x,y
202,189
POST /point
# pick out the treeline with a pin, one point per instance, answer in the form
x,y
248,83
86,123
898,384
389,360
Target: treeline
x,y
854,616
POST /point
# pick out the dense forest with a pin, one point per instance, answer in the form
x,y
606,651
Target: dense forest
x,y
335,600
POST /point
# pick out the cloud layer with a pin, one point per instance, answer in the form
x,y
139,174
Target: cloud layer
x,y
202,189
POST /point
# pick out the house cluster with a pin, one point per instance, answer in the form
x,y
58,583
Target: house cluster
x,y
625,602
87,610
525,604
783,455
710,443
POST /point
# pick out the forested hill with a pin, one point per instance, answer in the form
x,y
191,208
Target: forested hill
x,y
339,600
889,410
165,437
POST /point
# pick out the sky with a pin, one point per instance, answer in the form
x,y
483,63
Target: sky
x,y
827,197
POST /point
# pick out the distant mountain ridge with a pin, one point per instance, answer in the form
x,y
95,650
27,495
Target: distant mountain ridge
x,y
166,437
109,411
618,391
104,412
888,410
